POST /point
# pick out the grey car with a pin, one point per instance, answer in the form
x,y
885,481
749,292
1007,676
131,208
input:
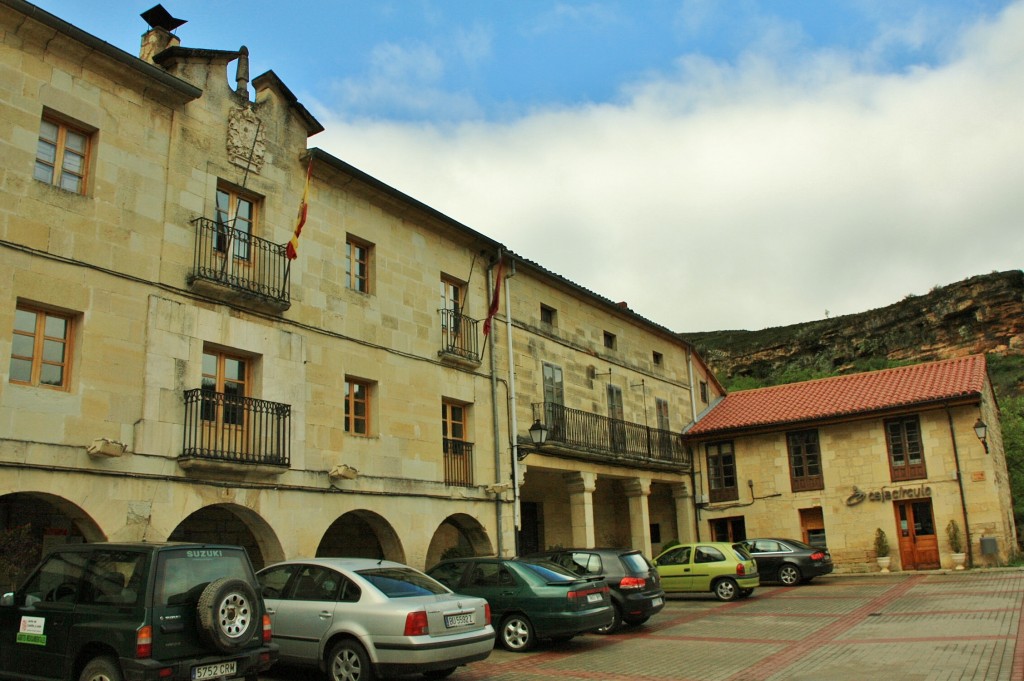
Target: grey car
x,y
360,618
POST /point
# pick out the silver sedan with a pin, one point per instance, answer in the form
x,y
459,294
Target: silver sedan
x,y
360,618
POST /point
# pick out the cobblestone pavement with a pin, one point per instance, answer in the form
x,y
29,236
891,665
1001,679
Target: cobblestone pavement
x,y
906,626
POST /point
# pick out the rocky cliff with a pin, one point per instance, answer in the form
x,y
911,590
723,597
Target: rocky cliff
x,y
982,314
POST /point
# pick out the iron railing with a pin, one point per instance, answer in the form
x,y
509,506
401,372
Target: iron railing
x,y
611,437
458,463
234,429
240,261
458,335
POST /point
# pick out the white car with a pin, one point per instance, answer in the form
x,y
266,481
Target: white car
x,y
360,618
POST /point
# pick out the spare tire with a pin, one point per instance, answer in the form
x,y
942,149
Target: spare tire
x,y
228,614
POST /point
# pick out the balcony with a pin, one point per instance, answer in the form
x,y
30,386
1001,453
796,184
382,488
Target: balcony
x,y
228,432
458,463
583,435
235,266
459,340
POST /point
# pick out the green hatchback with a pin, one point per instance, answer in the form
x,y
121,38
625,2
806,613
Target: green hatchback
x,y
722,568
529,600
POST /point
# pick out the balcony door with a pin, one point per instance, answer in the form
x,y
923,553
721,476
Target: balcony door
x,y
225,387
554,400
616,418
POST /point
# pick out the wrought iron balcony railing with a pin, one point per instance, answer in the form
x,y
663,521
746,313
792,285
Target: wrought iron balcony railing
x,y
232,429
611,438
240,261
458,336
458,463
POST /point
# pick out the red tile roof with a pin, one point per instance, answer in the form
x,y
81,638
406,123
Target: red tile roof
x,y
854,394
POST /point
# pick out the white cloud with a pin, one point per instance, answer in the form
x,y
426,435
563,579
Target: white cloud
x,y
758,194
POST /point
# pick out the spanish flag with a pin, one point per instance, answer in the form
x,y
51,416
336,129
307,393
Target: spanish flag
x,y
493,309
292,250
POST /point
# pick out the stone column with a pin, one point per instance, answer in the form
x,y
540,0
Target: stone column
x,y
581,486
684,512
637,491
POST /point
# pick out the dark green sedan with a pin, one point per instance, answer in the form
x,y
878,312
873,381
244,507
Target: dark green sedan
x,y
529,600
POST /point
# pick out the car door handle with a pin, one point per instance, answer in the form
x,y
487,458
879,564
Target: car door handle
x,y
508,593
271,611
326,614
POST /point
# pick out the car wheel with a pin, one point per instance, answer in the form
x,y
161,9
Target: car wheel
x,y
726,590
789,575
439,673
517,634
101,669
228,613
349,662
615,624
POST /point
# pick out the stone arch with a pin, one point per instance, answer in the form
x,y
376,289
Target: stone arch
x,y
33,521
232,524
361,534
459,534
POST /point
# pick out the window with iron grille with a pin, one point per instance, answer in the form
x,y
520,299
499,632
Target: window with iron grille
x,y
721,472
804,461
357,407
62,155
41,347
906,455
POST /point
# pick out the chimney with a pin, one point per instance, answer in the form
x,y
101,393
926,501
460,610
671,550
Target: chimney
x,y
159,37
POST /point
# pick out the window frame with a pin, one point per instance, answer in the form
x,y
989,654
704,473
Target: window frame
x,y
61,151
39,339
721,467
610,341
797,444
357,270
910,469
352,401
226,415
548,316
231,218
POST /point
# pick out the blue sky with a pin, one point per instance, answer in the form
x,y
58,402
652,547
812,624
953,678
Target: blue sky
x,y
714,164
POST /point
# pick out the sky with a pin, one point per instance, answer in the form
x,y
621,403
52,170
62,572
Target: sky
x,y
715,164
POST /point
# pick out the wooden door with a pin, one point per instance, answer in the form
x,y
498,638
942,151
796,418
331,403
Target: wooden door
x,y
919,545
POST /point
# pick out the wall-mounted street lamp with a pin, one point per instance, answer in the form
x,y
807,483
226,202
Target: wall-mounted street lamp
x,y
980,429
538,436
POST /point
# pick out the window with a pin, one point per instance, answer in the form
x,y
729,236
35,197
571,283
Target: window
x,y
804,461
62,155
357,407
657,358
906,456
554,399
238,211
548,316
722,472
731,529
616,416
609,340
225,387
453,421
451,312
40,348
661,408
457,451
357,265
704,392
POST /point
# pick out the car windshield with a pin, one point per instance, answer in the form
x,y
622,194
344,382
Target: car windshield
x,y
181,571
550,572
741,552
402,582
800,545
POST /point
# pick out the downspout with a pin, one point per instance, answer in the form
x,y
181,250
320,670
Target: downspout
x,y
513,422
498,449
960,484
693,455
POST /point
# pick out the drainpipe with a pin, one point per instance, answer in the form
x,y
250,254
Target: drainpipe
x,y
960,484
497,424
513,422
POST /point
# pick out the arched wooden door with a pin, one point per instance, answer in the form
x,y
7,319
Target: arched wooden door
x,y
919,545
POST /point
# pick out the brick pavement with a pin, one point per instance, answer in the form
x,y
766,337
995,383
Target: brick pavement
x,y
912,627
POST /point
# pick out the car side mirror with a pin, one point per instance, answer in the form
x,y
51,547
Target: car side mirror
x,y
7,600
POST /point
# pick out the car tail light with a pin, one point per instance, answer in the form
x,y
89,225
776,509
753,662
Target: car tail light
x,y
416,623
818,555
632,583
144,642
267,632
741,569
487,613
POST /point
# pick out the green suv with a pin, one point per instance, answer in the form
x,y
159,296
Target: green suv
x,y
137,612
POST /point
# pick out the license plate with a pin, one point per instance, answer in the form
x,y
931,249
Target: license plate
x,y
459,620
657,601
215,671
594,598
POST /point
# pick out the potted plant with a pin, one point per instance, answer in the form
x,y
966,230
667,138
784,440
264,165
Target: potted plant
x,y
956,544
882,550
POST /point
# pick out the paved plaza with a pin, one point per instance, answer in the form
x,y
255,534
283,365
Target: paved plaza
x,y
911,627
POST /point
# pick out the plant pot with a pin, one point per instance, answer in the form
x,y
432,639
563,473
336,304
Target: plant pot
x,y
883,562
958,560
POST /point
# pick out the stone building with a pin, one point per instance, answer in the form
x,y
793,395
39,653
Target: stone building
x,y
905,450
172,373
